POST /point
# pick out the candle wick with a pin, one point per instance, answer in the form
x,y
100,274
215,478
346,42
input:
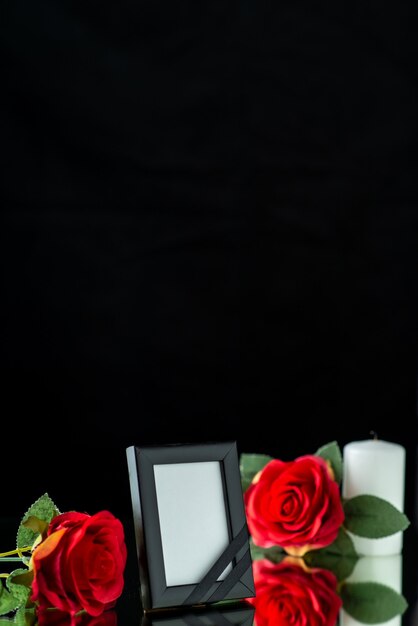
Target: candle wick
x,y
373,433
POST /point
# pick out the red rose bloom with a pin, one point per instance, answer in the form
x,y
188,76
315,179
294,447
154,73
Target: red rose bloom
x,y
80,564
295,505
287,594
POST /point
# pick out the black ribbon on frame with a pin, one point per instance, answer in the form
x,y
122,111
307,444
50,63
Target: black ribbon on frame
x,y
200,591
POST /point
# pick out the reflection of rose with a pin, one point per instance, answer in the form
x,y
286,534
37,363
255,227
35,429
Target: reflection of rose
x,y
288,594
80,564
54,617
107,618
295,505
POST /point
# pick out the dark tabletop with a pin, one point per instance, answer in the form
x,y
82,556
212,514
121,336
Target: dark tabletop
x,y
129,611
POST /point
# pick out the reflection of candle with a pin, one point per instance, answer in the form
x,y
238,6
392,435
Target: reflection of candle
x,y
386,570
376,468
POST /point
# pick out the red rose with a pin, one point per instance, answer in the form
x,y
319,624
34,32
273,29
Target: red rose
x,y
288,594
295,505
80,564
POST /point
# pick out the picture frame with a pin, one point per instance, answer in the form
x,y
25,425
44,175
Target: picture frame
x,y
190,526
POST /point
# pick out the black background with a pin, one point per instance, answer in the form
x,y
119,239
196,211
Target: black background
x,y
210,232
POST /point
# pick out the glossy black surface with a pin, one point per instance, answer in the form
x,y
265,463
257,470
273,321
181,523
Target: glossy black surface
x,y
129,606
129,610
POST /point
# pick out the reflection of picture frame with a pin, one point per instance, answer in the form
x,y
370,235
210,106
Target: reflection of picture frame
x,y
224,616
190,525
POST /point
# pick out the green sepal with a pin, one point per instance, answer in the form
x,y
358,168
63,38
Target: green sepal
x,y
372,603
250,465
19,584
331,452
8,602
31,526
373,517
22,617
274,554
25,617
340,557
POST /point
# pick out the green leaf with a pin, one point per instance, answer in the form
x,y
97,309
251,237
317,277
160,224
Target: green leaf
x,y
19,584
250,465
373,517
274,554
43,510
8,602
372,603
331,452
342,546
340,557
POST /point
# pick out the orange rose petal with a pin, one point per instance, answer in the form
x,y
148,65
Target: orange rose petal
x,y
47,546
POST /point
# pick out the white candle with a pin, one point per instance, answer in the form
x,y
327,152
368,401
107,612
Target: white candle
x,y
386,570
375,467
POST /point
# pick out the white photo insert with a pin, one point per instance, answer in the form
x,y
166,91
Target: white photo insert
x,y
193,519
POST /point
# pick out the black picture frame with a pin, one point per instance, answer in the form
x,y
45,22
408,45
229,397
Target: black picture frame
x,y
230,575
